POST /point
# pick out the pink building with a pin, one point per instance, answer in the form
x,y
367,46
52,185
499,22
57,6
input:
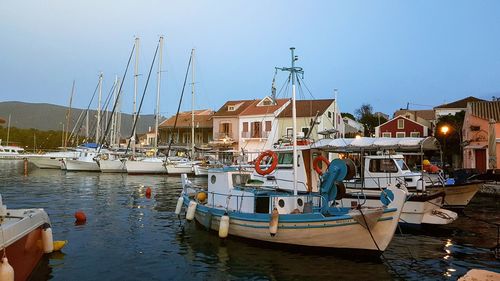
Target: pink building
x,y
476,132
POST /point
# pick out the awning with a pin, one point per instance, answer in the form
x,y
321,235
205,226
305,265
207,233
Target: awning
x,y
376,144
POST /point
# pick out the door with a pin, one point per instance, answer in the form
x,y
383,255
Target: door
x,y
480,160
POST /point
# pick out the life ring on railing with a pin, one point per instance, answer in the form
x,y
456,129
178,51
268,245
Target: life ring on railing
x,y
316,161
267,153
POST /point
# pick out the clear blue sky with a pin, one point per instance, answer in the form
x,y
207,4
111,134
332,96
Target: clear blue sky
x,y
385,53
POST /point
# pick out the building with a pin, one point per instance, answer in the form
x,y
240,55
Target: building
x,y
352,128
476,132
328,120
401,127
453,107
425,117
181,135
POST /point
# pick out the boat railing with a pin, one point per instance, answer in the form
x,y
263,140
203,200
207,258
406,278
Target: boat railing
x,y
236,202
376,182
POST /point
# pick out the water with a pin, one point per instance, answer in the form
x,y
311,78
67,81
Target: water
x,y
130,237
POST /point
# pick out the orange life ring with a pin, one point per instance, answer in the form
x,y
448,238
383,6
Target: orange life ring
x,y
316,163
267,153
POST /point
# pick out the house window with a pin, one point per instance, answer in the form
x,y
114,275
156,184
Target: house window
x,y
329,114
224,129
230,108
245,126
400,134
401,123
415,134
256,129
268,126
386,134
305,130
289,131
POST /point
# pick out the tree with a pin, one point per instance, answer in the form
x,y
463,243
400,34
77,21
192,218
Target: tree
x,y
365,116
452,138
348,115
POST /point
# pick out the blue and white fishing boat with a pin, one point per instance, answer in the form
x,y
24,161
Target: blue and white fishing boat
x,y
273,205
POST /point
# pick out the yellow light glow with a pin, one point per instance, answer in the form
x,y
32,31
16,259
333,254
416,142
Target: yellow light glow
x,y
358,136
445,129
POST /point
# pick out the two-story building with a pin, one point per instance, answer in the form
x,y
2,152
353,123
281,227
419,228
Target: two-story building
x,y
401,127
181,135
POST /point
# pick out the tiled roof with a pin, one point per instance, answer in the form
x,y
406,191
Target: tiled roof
x,y
459,103
486,110
240,105
202,119
424,114
307,108
255,109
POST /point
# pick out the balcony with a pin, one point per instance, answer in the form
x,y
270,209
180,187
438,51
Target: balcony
x,y
222,135
255,135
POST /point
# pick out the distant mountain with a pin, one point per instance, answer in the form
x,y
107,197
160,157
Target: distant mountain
x,y
44,116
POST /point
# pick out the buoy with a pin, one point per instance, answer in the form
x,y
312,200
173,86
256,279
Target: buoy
x,y
273,223
178,208
58,245
6,271
80,217
47,240
224,226
148,192
191,210
201,196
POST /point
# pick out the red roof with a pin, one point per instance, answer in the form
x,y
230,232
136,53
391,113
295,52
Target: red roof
x,y
307,108
257,108
202,119
459,103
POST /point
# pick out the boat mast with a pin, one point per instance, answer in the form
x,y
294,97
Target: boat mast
x,y
8,131
192,103
158,83
293,72
136,74
98,126
68,116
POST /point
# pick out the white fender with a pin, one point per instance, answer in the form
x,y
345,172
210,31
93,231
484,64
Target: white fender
x,y
178,207
191,210
224,226
6,271
47,240
273,223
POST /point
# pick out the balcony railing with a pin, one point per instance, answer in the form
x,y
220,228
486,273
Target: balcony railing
x,y
221,135
255,135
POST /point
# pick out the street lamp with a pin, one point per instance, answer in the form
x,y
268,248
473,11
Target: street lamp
x,y
444,130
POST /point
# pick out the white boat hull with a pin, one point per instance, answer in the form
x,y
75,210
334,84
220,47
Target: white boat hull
x,y
177,169
78,165
145,167
200,170
44,162
112,166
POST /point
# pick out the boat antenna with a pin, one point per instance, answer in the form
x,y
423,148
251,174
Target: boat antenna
x,y
294,70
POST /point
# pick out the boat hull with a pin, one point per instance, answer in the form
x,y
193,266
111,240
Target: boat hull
x,y
200,170
46,162
23,240
112,166
77,165
173,169
458,196
145,167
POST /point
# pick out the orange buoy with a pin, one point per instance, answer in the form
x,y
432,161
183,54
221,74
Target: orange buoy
x,y
148,192
80,217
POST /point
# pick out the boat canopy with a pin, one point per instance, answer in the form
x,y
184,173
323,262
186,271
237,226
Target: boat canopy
x,y
377,144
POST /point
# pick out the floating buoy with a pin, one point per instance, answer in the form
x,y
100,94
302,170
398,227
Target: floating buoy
x,y
6,271
191,210
148,192
58,245
201,196
80,217
47,240
224,226
178,208
273,223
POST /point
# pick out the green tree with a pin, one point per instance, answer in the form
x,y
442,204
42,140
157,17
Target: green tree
x,y
365,116
452,138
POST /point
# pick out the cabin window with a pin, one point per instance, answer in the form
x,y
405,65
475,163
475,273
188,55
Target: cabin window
x,y
401,123
382,166
289,132
305,130
400,134
285,158
402,164
386,134
415,134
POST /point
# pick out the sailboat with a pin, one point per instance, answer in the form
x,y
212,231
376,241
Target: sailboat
x,y
154,164
291,212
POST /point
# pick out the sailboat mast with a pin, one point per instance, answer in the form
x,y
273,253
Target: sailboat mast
x,y
98,126
136,75
68,116
158,93
192,103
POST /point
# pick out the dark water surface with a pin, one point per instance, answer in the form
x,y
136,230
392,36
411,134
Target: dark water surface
x,y
130,237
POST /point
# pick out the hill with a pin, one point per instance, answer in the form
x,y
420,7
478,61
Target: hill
x,y
45,117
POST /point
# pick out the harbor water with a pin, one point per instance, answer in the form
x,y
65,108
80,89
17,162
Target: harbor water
x,y
128,236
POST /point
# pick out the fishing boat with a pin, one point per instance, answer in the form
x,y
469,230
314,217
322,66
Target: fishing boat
x,y
11,152
274,206
26,236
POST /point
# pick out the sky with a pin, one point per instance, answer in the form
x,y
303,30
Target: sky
x,y
388,54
